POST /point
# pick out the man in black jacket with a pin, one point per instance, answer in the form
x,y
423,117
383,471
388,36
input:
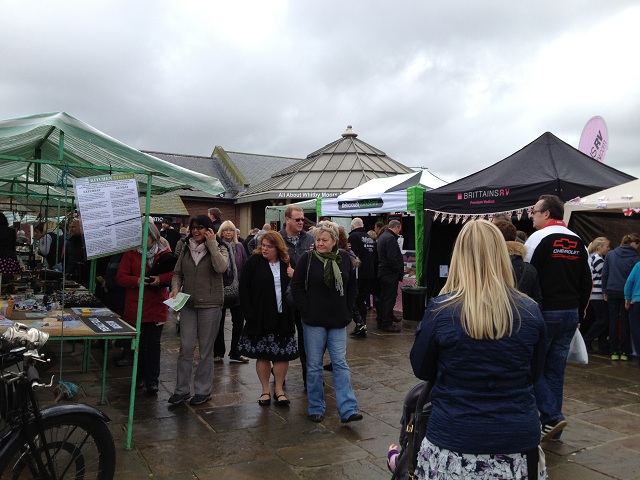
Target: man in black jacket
x,y
365,248
561,259
170,234
390,272
298,243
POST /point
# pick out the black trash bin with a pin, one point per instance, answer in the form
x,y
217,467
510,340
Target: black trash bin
x,y
413,303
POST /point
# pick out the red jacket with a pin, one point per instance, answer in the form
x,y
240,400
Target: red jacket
x,y
153,310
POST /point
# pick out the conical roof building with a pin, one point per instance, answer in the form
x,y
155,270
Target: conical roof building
x,y
334,169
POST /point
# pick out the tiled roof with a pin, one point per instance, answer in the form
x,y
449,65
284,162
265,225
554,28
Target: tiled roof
x,y
336,168
257,168
200,164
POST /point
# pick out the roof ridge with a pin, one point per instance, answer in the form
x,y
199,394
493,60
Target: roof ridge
x,y
265,155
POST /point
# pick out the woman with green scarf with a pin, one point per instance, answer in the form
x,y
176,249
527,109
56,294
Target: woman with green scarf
x,y
324,289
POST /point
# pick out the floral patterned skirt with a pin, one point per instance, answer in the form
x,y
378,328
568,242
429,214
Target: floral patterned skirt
x,y
9,265
442,464
270,346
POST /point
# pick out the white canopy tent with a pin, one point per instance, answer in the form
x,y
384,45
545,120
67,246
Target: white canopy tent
x,y
379,195
623,198
611,213
400,193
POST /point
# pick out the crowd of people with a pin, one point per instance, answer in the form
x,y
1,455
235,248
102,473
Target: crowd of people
x,y
493,343
291,294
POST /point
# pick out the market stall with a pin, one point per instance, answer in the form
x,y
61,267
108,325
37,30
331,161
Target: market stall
x,y
612,213
401,193
44,157
512,186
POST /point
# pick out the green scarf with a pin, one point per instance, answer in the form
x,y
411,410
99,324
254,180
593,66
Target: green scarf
x,y
332,275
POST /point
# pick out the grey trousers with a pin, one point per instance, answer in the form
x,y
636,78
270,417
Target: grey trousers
x,y
201,325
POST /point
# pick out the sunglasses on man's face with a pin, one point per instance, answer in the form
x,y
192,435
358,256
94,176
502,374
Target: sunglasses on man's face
x,y
301,219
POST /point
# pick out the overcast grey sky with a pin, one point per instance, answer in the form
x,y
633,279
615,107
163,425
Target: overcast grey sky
x,y
453,86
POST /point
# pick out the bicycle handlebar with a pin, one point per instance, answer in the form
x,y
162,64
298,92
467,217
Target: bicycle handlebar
x,y
20,335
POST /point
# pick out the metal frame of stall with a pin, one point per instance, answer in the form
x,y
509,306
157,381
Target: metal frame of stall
x,y
145,231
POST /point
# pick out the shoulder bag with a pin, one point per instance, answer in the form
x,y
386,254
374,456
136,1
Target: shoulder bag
x,y
288,294
232,291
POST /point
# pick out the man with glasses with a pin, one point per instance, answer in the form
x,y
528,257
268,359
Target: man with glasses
x,y
561,258
298,242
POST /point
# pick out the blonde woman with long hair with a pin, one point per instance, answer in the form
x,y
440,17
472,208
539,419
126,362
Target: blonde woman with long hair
x,y
481,342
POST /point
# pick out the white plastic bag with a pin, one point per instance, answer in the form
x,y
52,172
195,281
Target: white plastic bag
x,y
578,350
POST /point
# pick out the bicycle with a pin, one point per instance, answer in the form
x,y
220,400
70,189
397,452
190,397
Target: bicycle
x,y
58,442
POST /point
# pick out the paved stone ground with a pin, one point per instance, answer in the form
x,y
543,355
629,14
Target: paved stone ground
x,y
231,437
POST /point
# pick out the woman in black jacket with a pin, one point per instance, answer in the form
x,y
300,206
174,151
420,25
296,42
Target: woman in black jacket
x,y
526,275
269,332
324,289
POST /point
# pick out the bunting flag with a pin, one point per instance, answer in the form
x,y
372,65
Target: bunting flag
x,y
490,216
630,211
576,201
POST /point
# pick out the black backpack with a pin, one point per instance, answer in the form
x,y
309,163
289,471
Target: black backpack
x,y
415,416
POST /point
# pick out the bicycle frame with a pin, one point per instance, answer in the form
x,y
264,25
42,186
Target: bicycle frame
x,y
25,424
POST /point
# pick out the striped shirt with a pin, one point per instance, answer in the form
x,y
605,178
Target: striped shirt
x,y
596,262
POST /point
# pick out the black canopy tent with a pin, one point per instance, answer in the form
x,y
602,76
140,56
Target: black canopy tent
x,y
545,166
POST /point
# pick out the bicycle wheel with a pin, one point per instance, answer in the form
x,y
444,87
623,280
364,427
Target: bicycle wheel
x,y
73,446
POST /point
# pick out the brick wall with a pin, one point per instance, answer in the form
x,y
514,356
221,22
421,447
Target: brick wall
x,y
200,207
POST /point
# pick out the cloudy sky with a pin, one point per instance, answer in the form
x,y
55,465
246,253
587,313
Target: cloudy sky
x,y
452,86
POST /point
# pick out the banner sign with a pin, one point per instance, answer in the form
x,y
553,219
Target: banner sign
x,y
360,204
110,213
594,140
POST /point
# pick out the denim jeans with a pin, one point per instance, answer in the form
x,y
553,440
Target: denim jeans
x,y
634,324
237,321
316,341
561,326
618,317
600,327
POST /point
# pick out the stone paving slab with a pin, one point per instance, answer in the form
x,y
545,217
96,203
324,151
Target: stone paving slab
x,y
611,459
232,437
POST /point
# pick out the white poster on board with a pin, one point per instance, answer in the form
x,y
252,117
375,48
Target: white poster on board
x,y
110,213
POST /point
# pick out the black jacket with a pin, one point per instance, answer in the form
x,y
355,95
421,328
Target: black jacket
x,y
390,261
295,252
365,248
562,261
526,275
320,305
172,236
258,298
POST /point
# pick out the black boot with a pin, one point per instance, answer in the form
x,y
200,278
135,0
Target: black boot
x,y
360,330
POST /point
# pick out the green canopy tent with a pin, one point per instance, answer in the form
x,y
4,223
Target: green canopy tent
x,y
41,154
